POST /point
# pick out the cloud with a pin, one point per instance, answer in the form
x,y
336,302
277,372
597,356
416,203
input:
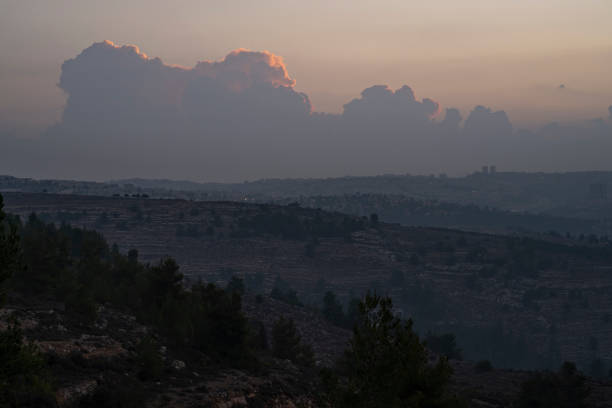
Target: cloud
x,y
242,68
123,86
128,114
483,122
452,119
380,102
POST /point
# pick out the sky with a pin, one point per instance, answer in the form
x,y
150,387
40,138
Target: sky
x,y
396,77
510,55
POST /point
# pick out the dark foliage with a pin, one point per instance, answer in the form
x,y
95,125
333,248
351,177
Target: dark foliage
x,y
149,360
23,378
24,381
127,393
77,267
564,389
287,343
9,250
283,292
387,365
483,366
443,344
332,309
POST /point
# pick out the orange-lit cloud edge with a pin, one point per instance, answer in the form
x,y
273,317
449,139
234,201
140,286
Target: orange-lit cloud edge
x,y
209,68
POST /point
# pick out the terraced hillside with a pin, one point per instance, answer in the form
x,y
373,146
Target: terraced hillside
x,y
518,302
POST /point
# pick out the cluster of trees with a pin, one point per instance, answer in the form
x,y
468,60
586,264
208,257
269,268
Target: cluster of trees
x,y
79,268
24,381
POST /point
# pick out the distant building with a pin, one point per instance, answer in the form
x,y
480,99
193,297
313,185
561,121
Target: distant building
x,y
485,169
493,169
598,191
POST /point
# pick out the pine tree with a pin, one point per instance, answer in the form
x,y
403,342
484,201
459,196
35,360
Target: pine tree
x,y
386,364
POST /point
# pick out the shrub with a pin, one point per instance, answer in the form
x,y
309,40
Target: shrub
x,y
287,343
564,389
24,381
149,360
443,344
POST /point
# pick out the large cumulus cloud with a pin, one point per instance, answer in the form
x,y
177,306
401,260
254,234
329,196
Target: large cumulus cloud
x,y
123,87
128,114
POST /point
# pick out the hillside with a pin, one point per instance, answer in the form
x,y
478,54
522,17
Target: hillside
x,y
517,302
500,203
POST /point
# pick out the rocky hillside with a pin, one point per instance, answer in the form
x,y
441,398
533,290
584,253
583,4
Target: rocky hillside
x,y
98,360
101,358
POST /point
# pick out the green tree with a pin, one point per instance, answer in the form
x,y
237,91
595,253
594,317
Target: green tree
x,y
165,282
149,359
218,325
236,285
386,365
9,251
287,343
46,254
23,378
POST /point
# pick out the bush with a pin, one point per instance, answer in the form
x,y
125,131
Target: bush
x,y
258,338
24,381
289,297
564,389
443,344
149,360
235,285
81,304
287,343
123,393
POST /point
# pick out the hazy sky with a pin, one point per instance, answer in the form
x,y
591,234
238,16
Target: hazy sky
x,y
510,54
